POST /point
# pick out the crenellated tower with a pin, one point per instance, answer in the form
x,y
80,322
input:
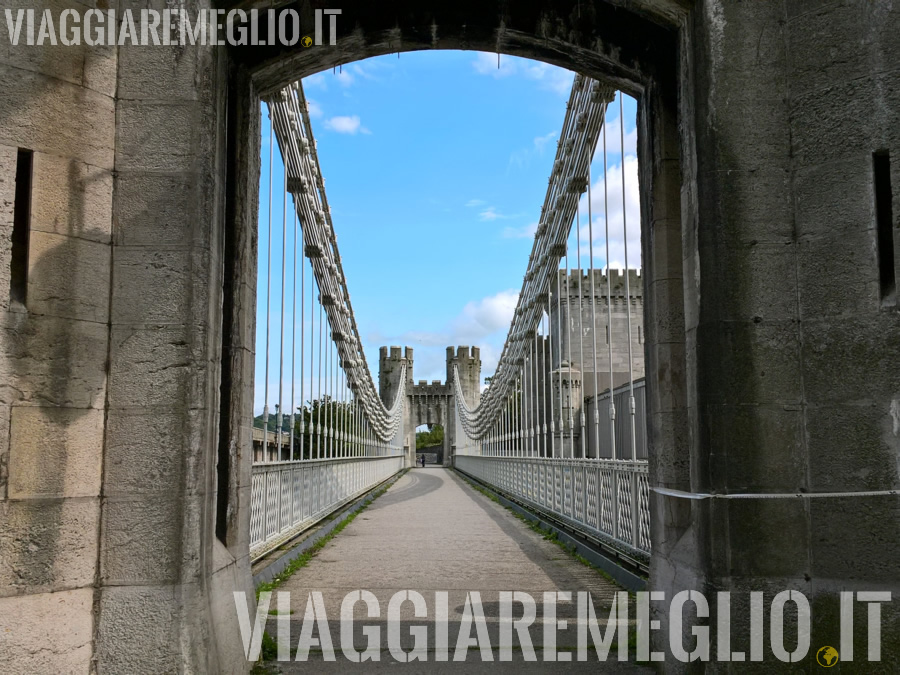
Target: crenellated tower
x,y
390,366
468,361
592,320
430,402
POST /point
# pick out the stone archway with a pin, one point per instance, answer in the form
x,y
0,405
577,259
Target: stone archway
x,y
637,47
434,452
771,362
726,289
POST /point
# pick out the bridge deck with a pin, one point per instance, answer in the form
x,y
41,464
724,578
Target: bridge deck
x,y
432,532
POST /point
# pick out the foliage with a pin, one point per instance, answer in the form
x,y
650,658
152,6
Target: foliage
x,y
427,439
285,423
323,413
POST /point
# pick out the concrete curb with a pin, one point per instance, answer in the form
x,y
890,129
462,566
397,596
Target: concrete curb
x,y
630,581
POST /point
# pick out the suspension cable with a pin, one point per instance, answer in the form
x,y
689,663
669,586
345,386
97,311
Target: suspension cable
x,y
631,403
593,323
279,416
580,320
268,293
293,338
609,325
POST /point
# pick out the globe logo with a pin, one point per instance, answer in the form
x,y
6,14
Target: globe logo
x,y
306,41
827,657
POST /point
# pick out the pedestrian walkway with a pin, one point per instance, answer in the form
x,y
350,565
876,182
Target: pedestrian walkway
x,y
432,532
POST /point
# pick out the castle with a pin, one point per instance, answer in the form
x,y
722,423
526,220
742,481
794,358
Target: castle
x,y
430,403
591,321
571,376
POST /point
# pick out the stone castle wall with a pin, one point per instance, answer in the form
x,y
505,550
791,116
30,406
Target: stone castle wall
x,y
587,323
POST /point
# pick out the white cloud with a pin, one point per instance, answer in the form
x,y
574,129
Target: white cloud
x,y
481,323
484,324
480,318
522,158
491,214
315,110
525,232
549,78
363,72
424,338
490,357
552,78
318,81
344,124
541,141
475,202
344,77
614,140
486,63
614,209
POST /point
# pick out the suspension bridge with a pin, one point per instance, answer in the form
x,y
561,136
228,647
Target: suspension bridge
x,y
552,429
724,422
558,433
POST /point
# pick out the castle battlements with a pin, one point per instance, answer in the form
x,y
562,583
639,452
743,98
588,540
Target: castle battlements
x,y
575,280
464,353
434,388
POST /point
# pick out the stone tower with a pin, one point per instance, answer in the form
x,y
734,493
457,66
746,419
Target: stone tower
x,y
581,319
390,364
390,367
469,363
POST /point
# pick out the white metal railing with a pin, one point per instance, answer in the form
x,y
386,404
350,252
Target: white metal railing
x,y
334,437
288,497
597,495
544,432
594,493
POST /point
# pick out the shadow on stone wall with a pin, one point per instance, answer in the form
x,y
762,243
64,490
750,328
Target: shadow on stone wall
x,y
54,387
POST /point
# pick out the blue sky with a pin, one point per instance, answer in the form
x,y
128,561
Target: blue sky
x,y
436,167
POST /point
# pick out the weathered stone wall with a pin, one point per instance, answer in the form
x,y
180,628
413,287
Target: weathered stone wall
x,y
433,455
468,363
59,103
432,404
794,377
771,359
110,404
429,404
390,364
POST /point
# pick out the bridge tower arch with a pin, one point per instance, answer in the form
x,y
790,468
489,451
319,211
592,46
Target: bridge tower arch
x,y
430,402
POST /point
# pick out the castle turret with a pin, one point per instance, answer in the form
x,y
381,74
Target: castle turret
x,y
468,361
390,366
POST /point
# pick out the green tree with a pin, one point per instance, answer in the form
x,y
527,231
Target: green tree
x,y
431,438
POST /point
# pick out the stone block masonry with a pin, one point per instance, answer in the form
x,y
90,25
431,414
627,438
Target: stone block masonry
x,y
772,350
585,318
430,403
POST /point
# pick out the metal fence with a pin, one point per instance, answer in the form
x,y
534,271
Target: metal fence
x,y
606,494
596,495
288,497
599,436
